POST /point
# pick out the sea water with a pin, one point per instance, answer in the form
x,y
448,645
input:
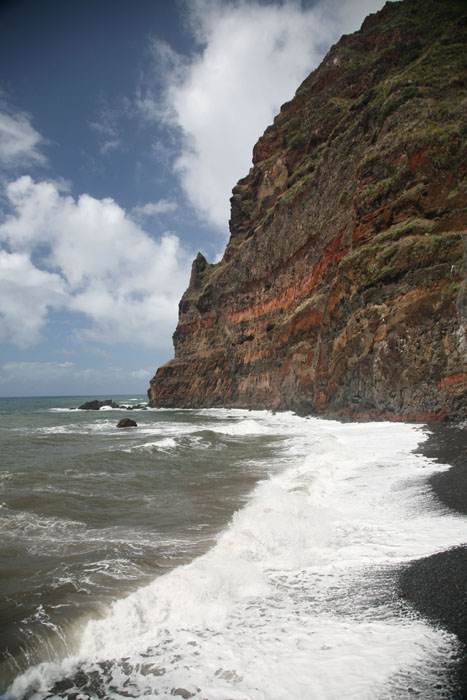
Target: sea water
x,y
214,554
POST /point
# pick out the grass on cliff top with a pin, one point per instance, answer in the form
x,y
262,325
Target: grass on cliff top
x,y
411,102
406,28
431,41
431,17
417,103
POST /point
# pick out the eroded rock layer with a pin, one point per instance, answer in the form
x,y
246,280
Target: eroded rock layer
x,y
342,290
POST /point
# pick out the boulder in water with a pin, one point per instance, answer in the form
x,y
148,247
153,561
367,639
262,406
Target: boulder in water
x,y
126,423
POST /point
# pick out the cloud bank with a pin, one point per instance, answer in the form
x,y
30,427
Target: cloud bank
x,y
86,256
18,377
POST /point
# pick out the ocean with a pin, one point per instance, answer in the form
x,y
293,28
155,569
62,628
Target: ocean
x,y
215,554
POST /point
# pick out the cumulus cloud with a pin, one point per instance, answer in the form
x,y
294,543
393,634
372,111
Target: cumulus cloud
x,y
26,295
19,142
251,58
90,257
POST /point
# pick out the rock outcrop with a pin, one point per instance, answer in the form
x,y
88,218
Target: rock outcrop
x,y
127,423
342,290
96,405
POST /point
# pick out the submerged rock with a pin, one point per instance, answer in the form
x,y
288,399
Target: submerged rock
x,y
127,423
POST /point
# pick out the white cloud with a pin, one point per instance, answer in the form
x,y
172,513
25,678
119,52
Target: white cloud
x,y
153,209
107,126
87,256
252,58
19,141
145,374
110,145
26,295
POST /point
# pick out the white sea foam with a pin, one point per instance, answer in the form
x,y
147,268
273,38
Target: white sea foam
x,y
165,444
97,426
43,535
124,407
284,605
57,430
169,428
242,428
32,527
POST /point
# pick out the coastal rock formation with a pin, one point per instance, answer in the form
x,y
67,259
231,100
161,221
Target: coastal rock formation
x,y
96,405
127,423
343,288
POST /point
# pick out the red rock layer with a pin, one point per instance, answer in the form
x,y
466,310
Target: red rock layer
x,y
342,290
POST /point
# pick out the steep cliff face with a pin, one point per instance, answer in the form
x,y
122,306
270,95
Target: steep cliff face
x,y
342,290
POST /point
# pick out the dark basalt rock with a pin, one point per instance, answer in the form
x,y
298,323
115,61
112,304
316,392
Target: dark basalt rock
x,y
127,423
436,587
95,405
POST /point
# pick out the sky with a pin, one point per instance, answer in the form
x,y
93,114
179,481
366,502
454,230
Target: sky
x,y
123,128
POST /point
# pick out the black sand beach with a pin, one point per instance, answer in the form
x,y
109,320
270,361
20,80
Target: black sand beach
x,y
437,585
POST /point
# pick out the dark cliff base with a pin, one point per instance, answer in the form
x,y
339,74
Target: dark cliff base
x,y
437,585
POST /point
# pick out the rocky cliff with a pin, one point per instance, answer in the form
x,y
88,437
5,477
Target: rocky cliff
x,y
342,290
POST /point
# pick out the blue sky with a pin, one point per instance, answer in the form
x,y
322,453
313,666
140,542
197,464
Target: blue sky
x,y
123,128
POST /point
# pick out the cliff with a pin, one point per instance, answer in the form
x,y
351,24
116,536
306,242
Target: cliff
x,y
343,288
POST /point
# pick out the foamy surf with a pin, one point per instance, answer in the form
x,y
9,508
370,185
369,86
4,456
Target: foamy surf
x,y
243,428
296,599
162,444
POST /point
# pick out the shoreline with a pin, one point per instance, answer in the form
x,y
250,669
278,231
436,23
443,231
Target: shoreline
x,y
436,586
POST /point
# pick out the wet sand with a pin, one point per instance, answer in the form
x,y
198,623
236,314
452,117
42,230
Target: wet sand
x,y
437,585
